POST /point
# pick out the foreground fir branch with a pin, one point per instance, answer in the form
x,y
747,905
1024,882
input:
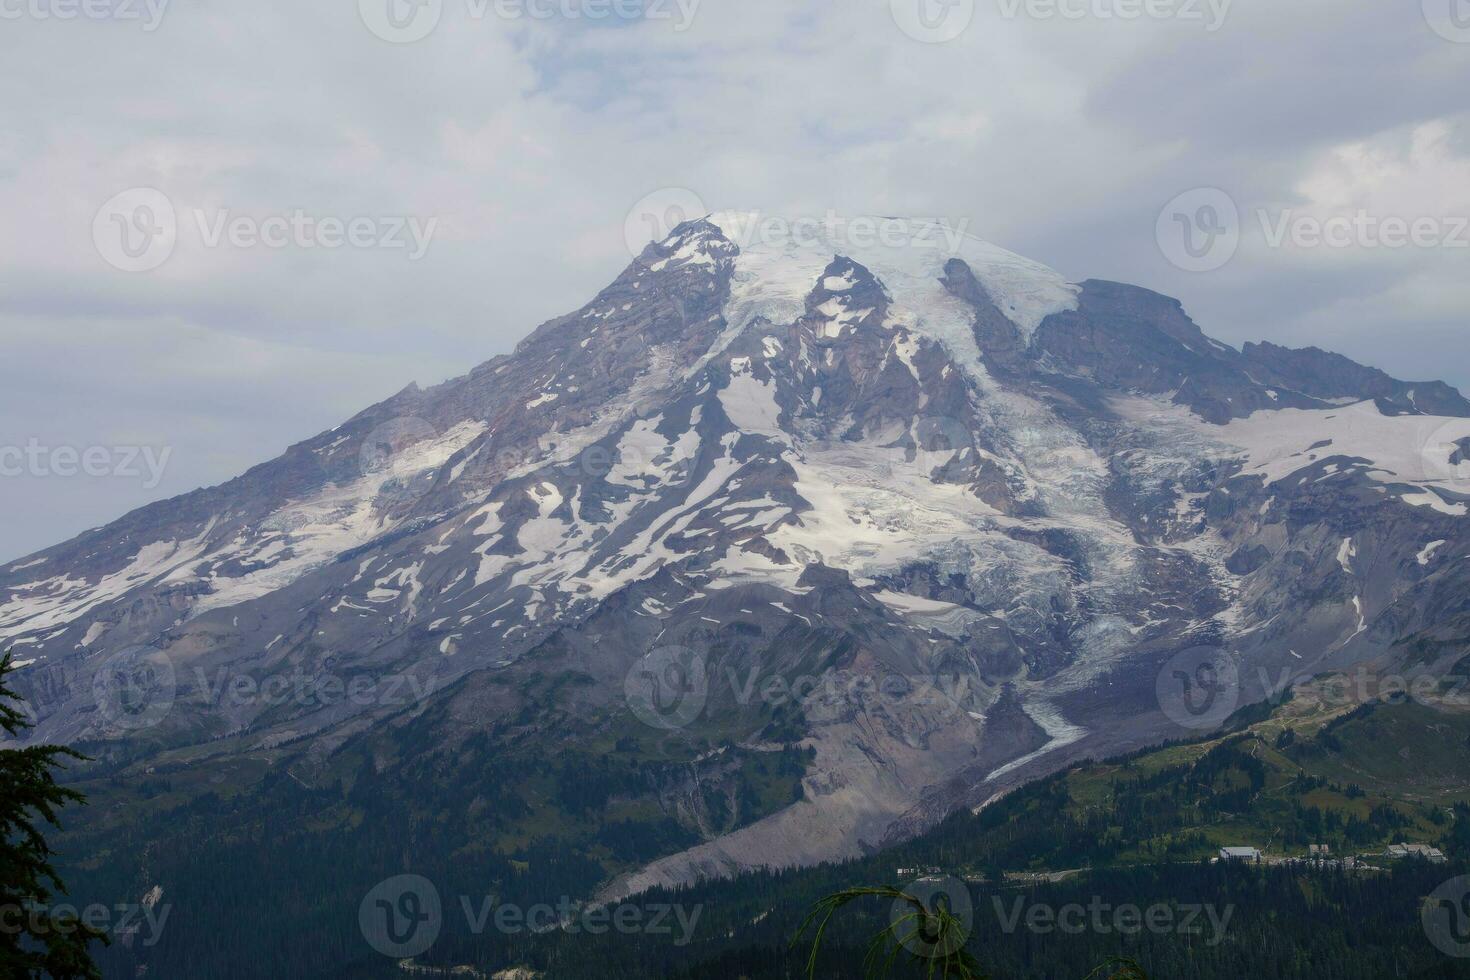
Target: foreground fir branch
x,y
933,938
45,944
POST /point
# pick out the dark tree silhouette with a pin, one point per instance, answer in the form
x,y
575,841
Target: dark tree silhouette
x,y
34,941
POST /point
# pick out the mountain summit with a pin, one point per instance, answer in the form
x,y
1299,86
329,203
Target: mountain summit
x,y
878,492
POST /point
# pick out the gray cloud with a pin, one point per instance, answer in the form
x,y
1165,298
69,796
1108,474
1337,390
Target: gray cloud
x,y
530,140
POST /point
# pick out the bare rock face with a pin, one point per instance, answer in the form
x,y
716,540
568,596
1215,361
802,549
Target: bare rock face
x,y
1324,375
934,515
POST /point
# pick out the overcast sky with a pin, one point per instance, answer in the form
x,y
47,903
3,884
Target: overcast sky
x,y
521,147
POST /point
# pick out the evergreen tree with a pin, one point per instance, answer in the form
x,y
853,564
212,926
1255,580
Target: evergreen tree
x,y
34,941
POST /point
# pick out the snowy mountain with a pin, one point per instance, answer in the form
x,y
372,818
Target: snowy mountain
x,y
982,514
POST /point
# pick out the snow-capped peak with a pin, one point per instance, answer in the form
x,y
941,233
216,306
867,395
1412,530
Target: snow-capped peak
x,y
781,257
